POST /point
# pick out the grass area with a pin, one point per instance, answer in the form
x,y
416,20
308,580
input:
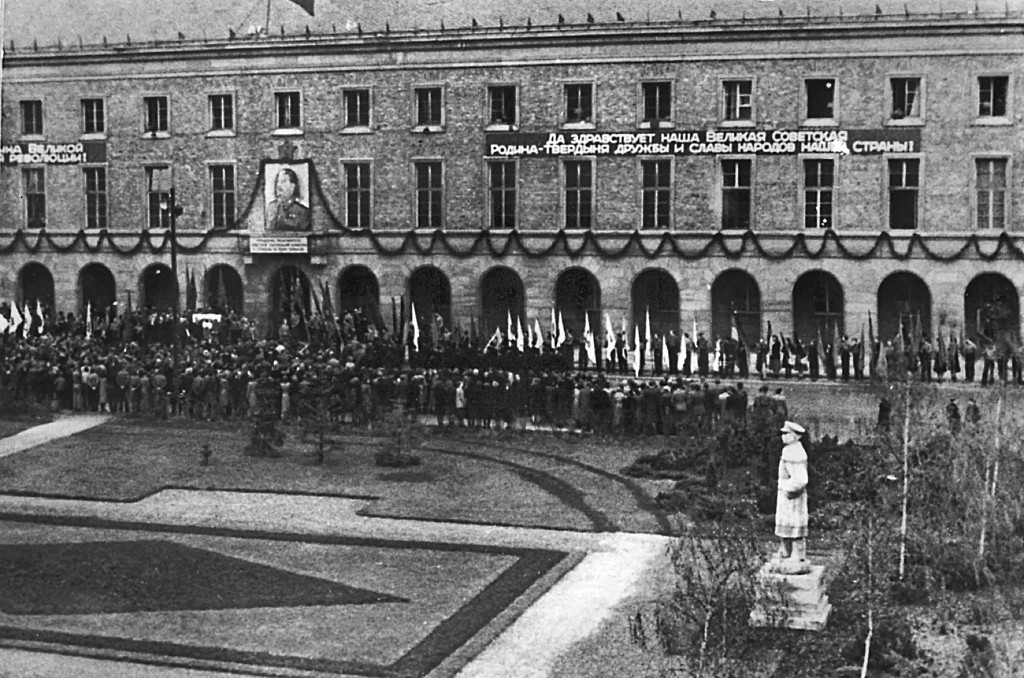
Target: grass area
x,y
538,479
328,604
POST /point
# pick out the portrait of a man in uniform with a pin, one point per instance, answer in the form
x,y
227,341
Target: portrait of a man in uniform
x,y
287,197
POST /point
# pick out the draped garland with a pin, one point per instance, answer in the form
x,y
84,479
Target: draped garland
x,y
610,245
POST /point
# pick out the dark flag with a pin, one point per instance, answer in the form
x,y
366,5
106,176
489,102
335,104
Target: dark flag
x,y
222,291
191,295
328,304
394,317
306,5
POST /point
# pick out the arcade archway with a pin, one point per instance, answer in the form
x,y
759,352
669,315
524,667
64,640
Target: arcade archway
x,y
35,283
358,288
903,301
224,292
159,288
735,294
501,294
992,310
817,306
431,292
577,295
96,288
657,291
290,299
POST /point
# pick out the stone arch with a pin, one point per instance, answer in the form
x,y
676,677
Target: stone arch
x,y
818,306
159,288
735,293
35,283
992,310
431,292
501,294
658,291
96,287
577,296
903,299
224,291
290,300
358,288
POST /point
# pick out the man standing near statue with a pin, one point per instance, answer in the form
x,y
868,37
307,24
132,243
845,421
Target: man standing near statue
x,y
791,502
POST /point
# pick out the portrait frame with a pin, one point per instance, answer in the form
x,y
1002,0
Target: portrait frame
x,y
272,169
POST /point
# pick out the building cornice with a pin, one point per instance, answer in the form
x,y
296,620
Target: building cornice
x,y
688,36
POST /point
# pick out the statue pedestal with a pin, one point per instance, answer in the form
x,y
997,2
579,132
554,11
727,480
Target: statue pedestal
x,y
791,601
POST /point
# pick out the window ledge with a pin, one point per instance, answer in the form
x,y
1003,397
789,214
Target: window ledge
x,y
220,134
33,138
736,123
582,124
156,135
93,136
819,122
904,122
288,132
501,127
655,125
357,129
428,129
993,121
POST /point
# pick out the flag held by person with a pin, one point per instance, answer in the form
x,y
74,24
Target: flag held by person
x,y
415,327
636,350
588,340
520,339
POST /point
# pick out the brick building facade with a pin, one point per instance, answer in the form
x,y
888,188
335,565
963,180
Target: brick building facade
x,y
804,170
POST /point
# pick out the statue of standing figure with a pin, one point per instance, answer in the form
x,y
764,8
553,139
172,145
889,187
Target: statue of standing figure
x,y
791,503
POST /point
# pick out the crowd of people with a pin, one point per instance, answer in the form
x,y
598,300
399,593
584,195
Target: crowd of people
x,y
354,370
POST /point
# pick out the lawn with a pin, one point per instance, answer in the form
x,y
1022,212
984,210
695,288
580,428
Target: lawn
x,y
499,478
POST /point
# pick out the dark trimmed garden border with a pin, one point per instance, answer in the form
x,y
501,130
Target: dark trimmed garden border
x,y
451,634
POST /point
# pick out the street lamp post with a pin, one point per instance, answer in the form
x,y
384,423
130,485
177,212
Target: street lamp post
x,y
169,205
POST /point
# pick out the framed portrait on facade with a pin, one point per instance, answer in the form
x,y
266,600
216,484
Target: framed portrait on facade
x,y
286,189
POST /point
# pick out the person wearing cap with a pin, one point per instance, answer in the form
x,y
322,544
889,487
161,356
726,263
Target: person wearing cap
x,y
791,501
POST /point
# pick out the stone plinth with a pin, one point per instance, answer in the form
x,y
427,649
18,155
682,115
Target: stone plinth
x,y
791,601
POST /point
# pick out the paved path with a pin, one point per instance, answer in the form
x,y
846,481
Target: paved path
x,y
37,435
572,609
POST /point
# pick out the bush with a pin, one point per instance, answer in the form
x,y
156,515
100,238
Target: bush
x,y
404,434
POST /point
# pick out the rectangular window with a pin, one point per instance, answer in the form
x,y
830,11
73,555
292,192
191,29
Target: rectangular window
x,y
428,106
31,117
579,194
93,117
156,114
35,197
429,195
503,105
95,197
357,107
991,186
503,194
736,190
820,98
656,177
222,185
289,115
904,182
992,95
357,195
158,187
906,98
657,101
222,112
579,103
819,178
739,100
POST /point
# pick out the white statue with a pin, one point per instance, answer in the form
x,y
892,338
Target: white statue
x,y
791,503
